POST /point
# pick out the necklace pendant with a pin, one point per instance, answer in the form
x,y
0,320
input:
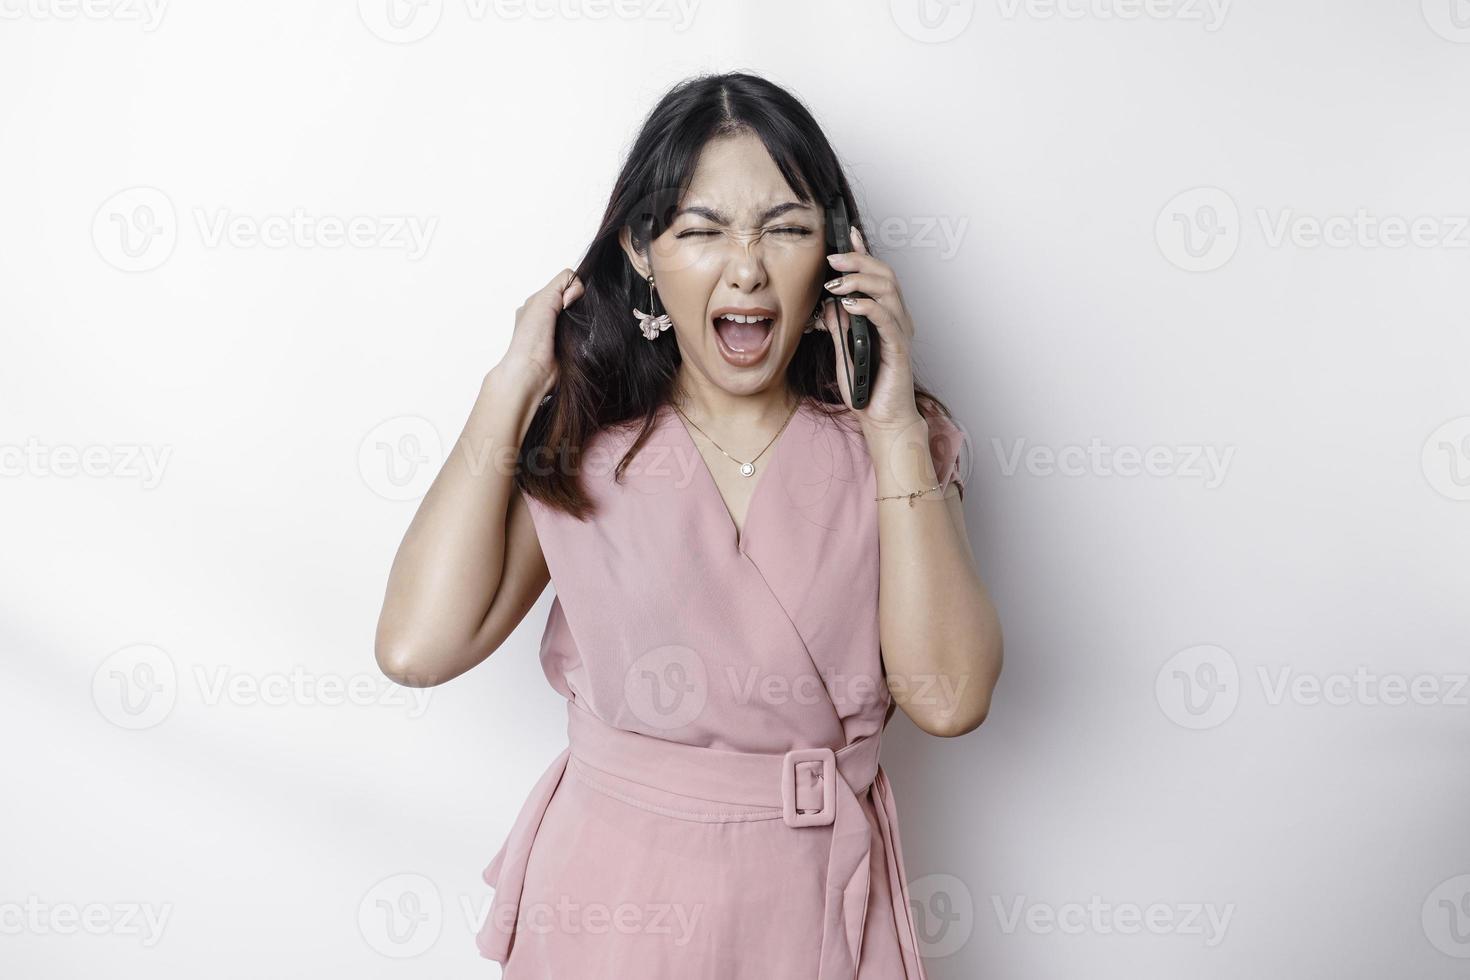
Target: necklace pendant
x,y
746,469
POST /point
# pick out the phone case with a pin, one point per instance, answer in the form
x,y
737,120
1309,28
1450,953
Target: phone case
x,y
862,339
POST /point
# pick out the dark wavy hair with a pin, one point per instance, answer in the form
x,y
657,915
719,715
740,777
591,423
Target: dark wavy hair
x,y
608,374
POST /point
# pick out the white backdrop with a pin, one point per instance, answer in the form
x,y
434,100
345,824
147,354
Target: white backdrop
x,y
1190,273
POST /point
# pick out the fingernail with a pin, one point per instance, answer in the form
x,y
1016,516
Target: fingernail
x,y
833,284
848,301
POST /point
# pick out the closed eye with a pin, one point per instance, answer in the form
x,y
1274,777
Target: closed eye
x,y
703,232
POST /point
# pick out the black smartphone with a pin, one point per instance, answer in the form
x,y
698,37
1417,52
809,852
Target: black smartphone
x,y
862,340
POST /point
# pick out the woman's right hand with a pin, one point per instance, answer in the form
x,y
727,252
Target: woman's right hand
x,y
532,350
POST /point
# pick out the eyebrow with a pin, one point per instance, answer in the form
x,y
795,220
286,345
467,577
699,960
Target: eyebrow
x,y
718,217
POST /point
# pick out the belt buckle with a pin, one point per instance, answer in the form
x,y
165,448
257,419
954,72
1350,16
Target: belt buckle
x,y
828,812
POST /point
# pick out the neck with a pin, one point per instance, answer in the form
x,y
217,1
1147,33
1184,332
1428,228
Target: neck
x,y
715,409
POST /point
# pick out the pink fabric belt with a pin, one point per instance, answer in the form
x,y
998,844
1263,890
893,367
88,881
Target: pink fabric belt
x,y
804,788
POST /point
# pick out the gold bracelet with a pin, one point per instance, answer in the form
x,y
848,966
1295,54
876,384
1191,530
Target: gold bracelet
x,y
910,496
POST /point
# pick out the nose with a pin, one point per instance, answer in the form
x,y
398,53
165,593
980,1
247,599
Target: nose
x,y
745,268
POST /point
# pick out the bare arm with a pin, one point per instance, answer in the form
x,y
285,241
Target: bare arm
x,y
941,637
470,567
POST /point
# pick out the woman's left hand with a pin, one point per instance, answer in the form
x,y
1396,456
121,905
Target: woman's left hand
x,y
891,403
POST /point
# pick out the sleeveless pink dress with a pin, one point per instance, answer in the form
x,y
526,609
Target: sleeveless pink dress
x,y
719,812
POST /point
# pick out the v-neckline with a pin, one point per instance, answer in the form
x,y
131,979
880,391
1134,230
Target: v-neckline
x,y
741,536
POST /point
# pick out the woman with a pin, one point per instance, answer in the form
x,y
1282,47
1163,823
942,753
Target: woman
x,y
690,474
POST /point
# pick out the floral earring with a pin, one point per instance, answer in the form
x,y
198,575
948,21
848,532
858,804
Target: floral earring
x,y
652,324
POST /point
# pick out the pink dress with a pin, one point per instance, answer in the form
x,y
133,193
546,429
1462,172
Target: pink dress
x,y
719,812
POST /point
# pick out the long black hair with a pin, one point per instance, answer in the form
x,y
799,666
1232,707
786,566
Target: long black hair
x,y
608,374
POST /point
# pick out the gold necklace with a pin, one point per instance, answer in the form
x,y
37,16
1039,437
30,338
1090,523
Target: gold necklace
x,y
746,468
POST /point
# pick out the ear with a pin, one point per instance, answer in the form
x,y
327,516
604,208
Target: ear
x,y
635,257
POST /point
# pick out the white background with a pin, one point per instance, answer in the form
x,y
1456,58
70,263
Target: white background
x,y
1029,162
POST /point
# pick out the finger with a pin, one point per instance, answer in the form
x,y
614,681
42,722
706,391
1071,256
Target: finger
x,y
837,328
558,283
867,283
878,315
573,291
858,243
860,262
555,293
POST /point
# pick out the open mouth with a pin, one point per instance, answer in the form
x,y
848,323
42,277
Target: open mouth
x,y
744,334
